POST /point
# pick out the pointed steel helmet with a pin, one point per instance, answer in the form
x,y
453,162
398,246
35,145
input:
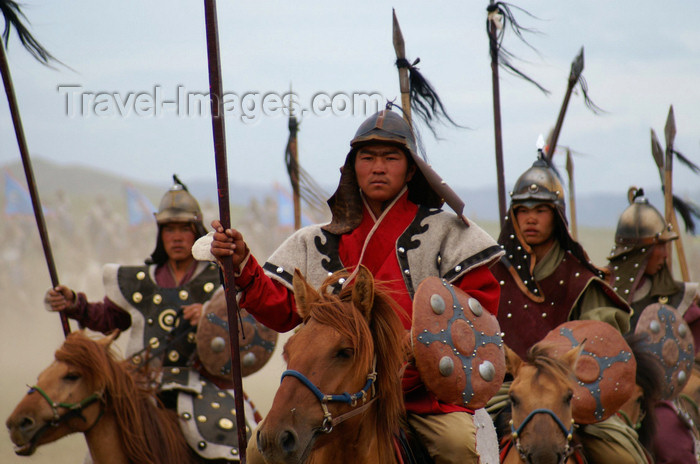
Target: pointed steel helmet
x,y
386,126
178,205
539,184
640,225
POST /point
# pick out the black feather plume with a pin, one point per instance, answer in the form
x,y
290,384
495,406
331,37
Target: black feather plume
x,y
13,18
689,164
425,100
586,99
179,182
500,53
688,212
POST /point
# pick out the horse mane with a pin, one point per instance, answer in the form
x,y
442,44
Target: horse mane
x,y
149,433
650,377
382,336
540,356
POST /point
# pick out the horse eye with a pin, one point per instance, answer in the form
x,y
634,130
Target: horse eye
x,y
513,400
568,397
345,353
71,376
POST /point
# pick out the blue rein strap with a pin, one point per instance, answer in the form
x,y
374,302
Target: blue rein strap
x,y
347,398
568,432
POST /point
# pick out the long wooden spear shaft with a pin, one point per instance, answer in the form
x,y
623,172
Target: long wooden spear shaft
x,y
217,120
576,70
658,154
29,173
493,20
294,174
670,136
404,84
572,194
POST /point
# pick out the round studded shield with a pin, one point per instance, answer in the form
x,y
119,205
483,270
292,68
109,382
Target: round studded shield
x,y
671,341
457,344
256,341
606,370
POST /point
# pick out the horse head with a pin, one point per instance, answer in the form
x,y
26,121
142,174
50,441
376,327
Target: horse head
x,y
540,397
347,353
68,396
86,389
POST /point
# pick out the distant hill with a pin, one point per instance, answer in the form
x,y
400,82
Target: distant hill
x,y
597,210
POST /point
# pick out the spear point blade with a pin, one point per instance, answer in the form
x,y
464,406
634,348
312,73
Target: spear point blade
x,y
658,154
399,44
577,66
670,129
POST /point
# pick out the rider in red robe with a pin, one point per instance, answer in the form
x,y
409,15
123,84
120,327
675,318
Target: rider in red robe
x,y
387,216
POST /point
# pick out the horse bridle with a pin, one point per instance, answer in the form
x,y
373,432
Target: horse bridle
x,y
73,409
361,396
568,432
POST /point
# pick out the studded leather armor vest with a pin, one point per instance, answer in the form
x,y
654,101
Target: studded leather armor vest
x,y
159,330
525,322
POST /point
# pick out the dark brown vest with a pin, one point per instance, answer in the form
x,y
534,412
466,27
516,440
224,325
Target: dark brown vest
x,y
523,321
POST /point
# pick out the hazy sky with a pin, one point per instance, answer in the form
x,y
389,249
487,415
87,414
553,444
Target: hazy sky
x,y
129,59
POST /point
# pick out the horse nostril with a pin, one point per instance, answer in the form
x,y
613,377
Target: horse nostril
x,y
26,423
288,441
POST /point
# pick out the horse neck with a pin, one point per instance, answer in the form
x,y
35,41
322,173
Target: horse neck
x,y
353,442
104,441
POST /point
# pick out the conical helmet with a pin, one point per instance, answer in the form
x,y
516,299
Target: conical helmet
x,y
539,184
385,126
178,205
640,225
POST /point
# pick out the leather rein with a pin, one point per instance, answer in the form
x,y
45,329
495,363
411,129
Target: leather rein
x,y
568,433
72,409
351,399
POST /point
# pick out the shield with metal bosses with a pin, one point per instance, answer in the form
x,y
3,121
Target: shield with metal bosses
x,y
605,371
457,344
256,341
671,342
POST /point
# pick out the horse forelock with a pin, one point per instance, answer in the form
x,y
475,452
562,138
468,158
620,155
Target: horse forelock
x,y
149,433
547,365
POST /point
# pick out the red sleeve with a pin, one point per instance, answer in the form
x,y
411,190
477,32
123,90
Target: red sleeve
x,y
271,303
103,316
482,285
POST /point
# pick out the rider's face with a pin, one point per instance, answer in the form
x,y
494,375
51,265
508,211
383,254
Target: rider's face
x,y
382,170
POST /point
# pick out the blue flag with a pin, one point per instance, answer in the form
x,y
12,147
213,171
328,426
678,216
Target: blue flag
x,y
285,208
139,208
17,198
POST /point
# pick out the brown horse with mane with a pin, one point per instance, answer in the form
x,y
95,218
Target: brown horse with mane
x,y
87,390
349,342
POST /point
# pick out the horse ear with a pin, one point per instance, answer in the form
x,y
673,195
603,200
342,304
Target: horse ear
x,y
304,294
363,291
107,340
513,361
571,357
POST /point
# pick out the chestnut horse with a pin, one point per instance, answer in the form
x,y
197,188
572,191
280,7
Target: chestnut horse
x,y
540,398
87,390
350,342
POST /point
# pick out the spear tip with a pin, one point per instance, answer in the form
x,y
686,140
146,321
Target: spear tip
x,y
399,44
577,65
670,129
657,152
